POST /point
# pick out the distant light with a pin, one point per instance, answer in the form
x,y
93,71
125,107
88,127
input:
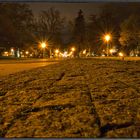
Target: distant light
x,y
56,51
73,49
18,53
70,53
111,50
121,54
27,52
43,45
65,54
12,50
6,52
84,52
103,55
107,37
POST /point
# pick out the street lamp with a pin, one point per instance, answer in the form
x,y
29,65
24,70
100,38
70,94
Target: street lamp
x,y
111,51
27,52
72,49
84,52
107,39
72,53
12,51
43,45
121,55
56,52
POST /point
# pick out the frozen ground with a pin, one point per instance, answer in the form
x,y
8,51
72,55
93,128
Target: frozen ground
x,y
72,98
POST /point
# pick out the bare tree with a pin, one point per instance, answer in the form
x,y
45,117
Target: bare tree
x,y
130,33
50,25
79,31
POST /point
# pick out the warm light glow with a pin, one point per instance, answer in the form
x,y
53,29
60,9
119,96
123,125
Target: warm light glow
x,y
43,44
70,53
65,54
12,50
121,54
111,50
103,55
56,51
107,37
84,52
73,49
6,52
27,52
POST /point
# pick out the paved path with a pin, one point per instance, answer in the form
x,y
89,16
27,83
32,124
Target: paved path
x,y
13,66
73,98
6,69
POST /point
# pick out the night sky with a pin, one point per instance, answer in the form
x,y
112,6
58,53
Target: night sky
x,y
68,10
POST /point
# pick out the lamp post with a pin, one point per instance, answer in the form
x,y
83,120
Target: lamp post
x,y
72,49
43,45
27,53
12,52
56,52
107,39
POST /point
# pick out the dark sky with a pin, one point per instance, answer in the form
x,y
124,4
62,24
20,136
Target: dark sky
x,y
68,10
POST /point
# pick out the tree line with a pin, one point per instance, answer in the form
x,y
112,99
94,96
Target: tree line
x,y
20,29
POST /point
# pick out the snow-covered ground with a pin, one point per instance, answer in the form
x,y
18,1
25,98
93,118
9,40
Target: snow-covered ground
x,y
72,98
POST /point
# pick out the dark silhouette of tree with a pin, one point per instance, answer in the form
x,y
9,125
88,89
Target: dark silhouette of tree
x,y
16,25
109,20
79,32
49,27
94,34
130,33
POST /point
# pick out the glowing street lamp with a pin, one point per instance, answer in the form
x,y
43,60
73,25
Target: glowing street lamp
x,y
56,51
111,51
84,52
121,55
12,51
72,49
107,38
27,52
6,53
43,45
